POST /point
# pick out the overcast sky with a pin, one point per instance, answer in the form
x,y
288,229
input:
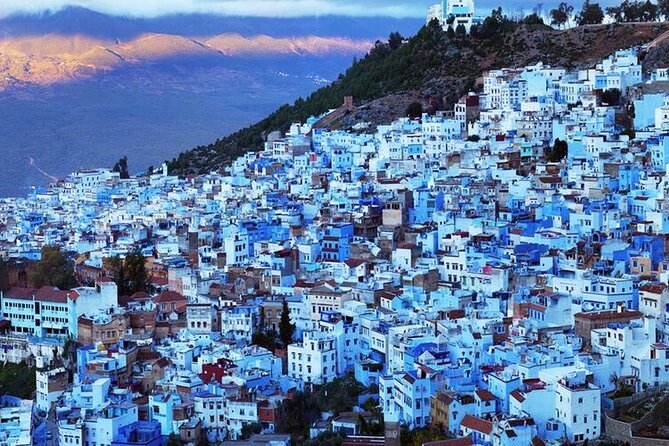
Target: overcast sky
x,y
263,8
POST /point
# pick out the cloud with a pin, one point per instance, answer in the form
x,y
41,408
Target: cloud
x,y
259,8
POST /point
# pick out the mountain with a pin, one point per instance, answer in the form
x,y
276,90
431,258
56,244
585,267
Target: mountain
x,y
435,70
54,58
78,20
80,89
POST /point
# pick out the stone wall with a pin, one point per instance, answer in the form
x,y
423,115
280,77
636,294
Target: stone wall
x,y
624,432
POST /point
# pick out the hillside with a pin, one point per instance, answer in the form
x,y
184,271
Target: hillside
x,y
433,69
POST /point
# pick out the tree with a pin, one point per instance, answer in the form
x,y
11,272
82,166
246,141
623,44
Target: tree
x,y
114,266
54,269
121,167
134,270
4,275
173,440
611,97
395,40
663,8
286,328
649,11
533,19
591,14
558,152
633,11
415,110
265,339
460,30
560,15
130,274
249,429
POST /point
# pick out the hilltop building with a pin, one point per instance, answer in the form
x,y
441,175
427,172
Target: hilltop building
x,y
453,13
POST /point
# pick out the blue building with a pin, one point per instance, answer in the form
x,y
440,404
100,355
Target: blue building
x,y
144,433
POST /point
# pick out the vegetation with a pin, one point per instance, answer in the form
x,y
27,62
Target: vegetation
x,y
129,274
561,15
415,110
591,14
418,437
558,152
286,328
17,380
54,269
304,408
636,11
4,275
266,339
622,389
121,167
611,97
173,440
249,429
325,439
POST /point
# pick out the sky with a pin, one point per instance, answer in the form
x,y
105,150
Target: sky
x,y
261,8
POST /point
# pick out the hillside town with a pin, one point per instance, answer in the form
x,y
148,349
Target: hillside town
x,y
496,273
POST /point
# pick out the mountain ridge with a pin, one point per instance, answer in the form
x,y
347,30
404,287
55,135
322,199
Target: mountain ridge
x,y
50,59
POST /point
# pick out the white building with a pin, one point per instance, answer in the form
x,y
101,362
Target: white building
x,y
314,360
453,13
578,406
50,385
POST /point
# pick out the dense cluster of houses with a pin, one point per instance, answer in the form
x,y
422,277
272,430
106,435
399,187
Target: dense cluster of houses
x,y
446,263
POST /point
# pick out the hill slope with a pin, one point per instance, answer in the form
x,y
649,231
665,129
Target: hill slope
x,y
430,68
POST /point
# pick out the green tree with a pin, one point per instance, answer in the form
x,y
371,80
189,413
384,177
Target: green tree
x,y
115,268
265,339
327,438
299,413
558,152
121,167
611,97
130,274
286,328
4,275
663,8
460,30
533,19
591,14
134,270
395,40
415,110
54,269
560,15
249,429
173,440
633,11
17,380
649,11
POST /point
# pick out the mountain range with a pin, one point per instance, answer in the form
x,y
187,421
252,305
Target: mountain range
x,y
80,89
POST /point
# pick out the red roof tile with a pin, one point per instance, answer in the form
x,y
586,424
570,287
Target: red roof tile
x,y
476,424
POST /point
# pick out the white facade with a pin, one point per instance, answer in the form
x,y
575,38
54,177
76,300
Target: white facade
x,y
578,406
314,360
